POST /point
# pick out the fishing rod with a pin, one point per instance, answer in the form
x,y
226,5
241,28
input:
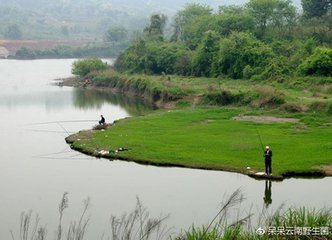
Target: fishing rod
x,y
57,122
260,139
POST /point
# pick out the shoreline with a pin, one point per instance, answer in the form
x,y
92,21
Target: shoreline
x,y
315,174
74,82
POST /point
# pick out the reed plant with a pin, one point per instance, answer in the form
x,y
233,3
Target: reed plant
x,y
138,225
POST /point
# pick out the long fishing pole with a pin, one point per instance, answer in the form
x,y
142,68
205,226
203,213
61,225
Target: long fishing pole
x,y
57,122
260,139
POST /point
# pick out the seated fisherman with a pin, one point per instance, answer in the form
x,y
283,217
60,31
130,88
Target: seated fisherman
x,y
102,120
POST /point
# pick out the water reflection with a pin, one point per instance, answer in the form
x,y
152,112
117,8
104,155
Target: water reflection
x,y
268,193
95,99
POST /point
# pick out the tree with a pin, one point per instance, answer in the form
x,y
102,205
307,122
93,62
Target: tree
x,y
13,32
85,66
116,34
240,52
283,18
203,59
155,31
185,18
315,8
25,53
134,58
234,19
275,12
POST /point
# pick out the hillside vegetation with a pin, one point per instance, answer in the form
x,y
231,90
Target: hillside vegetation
x,y
260,40
231,82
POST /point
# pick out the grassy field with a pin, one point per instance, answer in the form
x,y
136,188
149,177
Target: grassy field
x,y
209,138
194,126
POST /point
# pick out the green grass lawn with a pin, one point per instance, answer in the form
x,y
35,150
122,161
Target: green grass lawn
x,y
209,138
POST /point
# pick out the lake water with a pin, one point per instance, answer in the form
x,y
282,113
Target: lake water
x,y
37,166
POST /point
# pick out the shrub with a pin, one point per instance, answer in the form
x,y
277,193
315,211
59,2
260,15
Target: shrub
x,y
329,109
276,69
319,63
293,108
222,98
321,107
25,53
85,66
269,96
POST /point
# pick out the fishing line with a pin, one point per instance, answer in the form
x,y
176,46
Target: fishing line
x,y
63,129
46,131
67,150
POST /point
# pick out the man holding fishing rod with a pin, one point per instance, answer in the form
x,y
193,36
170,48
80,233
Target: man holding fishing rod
x,y
268,160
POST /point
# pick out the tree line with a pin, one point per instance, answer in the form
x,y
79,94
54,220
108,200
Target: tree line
x,y
260,40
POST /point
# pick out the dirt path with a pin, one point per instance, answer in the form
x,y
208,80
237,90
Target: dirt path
x,y
265,119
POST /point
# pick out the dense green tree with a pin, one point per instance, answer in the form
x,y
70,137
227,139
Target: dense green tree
x,y
234,19
241,51
13,32
185,18
155,30
262,40
277,13
85,66
315,8
196,30
134,58
25,53
153,57
283,19
203,59
164,57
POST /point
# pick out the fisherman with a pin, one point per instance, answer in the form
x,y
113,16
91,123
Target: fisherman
x,y
102,120
268,160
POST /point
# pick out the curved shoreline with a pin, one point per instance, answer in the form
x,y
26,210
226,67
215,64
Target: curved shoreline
x,y
315,174
160,103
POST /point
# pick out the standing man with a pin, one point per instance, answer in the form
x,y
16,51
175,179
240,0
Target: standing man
x,y
268,160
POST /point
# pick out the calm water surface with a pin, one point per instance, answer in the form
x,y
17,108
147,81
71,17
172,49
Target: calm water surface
x,y
37,166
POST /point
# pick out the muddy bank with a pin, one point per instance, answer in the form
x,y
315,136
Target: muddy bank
x,y
157,100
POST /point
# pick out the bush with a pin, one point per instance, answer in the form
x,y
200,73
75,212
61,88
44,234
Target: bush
x,y
85,66
25,53
319,63
268,96
293,108
223,98
321,107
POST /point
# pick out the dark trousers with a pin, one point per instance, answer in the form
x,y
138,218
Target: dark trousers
x,y
268,166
